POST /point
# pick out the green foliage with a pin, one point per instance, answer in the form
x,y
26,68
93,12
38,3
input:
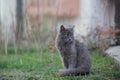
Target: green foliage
x,y
45,66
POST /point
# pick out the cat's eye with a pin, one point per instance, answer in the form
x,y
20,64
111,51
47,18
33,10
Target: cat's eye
x,y
66,35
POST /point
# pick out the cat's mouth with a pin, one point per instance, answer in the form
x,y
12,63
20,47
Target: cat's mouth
x,y
66,43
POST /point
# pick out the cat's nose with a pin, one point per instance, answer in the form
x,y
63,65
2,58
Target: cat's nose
x,y
70,39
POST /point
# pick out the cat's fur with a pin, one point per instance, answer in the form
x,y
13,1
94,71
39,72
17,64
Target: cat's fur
x,y
75,55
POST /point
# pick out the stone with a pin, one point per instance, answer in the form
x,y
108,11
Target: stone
x,y
114,52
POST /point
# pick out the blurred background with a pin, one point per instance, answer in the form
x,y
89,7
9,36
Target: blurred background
x,y
28,29
36,22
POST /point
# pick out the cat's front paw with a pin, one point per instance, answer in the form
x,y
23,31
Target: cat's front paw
x,y
62,72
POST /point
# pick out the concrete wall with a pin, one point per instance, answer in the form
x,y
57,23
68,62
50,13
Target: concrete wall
x,y
102,13
7,15
82,22
94,13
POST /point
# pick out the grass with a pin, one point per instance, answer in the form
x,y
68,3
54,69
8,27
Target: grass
x,y
45,66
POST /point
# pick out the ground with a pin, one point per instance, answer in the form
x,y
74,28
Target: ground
x,y
31,65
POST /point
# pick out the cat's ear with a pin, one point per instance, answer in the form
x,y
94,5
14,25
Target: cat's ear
x,y
62,28
72,28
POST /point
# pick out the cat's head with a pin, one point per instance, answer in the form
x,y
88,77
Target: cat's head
x,y
67,34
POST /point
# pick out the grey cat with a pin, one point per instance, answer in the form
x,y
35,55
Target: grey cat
x,y
75,55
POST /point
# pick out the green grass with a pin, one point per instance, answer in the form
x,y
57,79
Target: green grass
x,y
45,66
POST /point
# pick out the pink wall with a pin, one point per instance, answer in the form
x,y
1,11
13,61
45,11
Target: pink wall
x,y
50,7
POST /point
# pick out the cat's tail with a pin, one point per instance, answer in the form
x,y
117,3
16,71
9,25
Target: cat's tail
x,y
73,72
